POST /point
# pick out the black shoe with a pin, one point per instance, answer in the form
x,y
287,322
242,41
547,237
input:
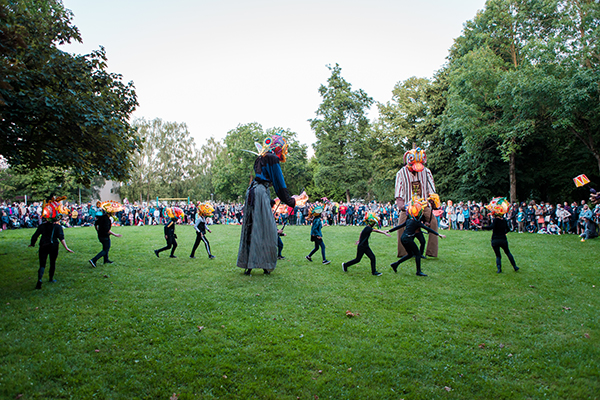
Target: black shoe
x,y
172,256
156,253
424,257
325,262
266,271
108,262
38,285
516,268
192,257
92,263
344,267
308,258
377,273
52,280
499,270
419,273
247,271
394,266
211,257
280,257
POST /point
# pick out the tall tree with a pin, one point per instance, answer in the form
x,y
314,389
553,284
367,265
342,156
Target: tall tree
x,y
343,146
57,109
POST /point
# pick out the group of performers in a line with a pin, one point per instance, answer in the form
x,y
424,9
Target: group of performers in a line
x,y
260,240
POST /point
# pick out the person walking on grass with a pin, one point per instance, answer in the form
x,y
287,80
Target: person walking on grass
x,y
362,245
172,213
51,234
499,227
205,210
414,211
103,226
316,235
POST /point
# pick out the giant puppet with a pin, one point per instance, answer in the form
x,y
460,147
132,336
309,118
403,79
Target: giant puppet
x,y
414,181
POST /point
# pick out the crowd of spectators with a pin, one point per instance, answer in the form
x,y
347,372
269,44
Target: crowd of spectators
x,y
525,217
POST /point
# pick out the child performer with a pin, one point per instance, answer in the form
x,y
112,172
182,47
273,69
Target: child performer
x,y
498,207
173,213
363,244
52,233
204,210
415,212
316,235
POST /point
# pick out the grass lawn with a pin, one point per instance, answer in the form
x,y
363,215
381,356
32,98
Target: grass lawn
x,y
149,328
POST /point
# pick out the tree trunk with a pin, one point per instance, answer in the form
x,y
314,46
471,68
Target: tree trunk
x,y
512,168
347,196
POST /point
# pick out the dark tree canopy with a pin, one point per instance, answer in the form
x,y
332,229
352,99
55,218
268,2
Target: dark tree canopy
x,y
58,109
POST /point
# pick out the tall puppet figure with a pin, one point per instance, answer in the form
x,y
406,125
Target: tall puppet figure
x,y
258,240
52,234
103,226
414,181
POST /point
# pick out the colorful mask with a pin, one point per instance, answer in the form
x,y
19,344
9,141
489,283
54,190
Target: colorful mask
x,y
173,212
205,209
414,208
315,210
498,206
415,159
110,207
277,144
53,210
371,219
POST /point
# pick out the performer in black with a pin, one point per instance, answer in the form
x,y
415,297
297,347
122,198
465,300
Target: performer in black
x,y
363,245
204,210
51,234
103,226
412,224
170,235
499,227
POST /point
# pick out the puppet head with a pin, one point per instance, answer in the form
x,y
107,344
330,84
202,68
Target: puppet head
x,y
315,211
371,219
173,212
276,144
415,160
53,210
498,206
109,207
414,208
205,209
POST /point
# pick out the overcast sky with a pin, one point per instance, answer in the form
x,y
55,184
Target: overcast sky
x,y
217,64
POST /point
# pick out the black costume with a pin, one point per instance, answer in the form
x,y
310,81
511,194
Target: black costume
x,y
200,227
362,249
411,225
52,234
103,225
170,236
499,229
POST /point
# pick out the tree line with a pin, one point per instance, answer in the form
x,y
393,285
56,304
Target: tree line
x,y
514,111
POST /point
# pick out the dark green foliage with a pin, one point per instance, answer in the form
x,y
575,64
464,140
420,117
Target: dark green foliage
x,y
58,109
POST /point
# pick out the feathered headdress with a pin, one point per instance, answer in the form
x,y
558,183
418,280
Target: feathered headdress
x,y
53,210
498,206
371,219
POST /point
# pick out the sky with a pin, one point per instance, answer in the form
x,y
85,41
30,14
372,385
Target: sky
x,y
216,64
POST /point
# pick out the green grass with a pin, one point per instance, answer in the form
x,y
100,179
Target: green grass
x,y
131,329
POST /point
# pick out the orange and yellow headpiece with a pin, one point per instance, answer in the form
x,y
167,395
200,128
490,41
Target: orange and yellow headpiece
x,y
110,206
414,208
498,206
173,212
205,209
415,159
53,210
371,219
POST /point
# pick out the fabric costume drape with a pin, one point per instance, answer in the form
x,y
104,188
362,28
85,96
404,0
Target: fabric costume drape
x,y
421,184
258,239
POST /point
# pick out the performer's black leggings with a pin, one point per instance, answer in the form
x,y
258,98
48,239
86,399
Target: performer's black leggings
x,y
421,238
200,237
45,251
504,246
105,248
360,252
411,251
318,243
171,244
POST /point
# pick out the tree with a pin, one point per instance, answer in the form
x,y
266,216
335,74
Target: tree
x,y
57,109
344,144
